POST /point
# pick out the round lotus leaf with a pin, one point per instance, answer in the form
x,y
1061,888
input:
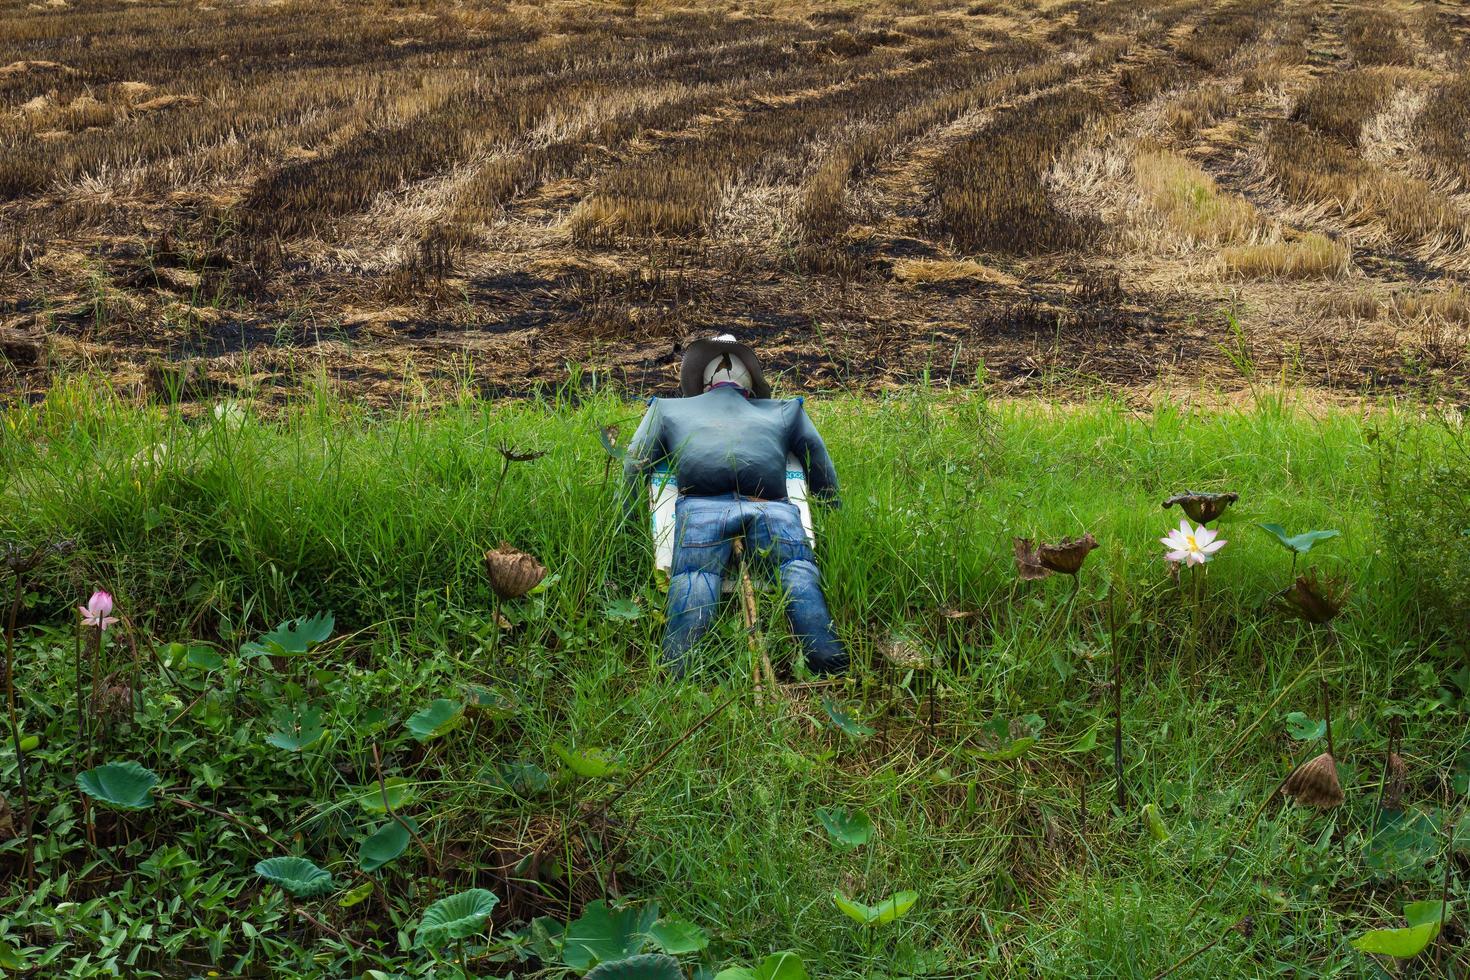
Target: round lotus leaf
x,y
296,875
397,790
439,718
383,845
648,966
456,917
120,785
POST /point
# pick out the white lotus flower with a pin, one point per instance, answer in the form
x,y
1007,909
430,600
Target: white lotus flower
x,y
1193,546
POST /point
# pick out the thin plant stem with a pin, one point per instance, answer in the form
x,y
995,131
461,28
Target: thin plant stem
x,y
191,805
1194,909
20,756
95,668
393,815
1117,703
1327,717
81,715
1180,964
504,469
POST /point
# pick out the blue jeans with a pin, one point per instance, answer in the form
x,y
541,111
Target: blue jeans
x,y
705,529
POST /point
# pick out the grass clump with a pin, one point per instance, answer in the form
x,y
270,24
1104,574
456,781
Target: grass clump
x,y
1190,202
541,756
1312,256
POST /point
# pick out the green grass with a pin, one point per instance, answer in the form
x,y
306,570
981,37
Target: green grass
x,y
1023,867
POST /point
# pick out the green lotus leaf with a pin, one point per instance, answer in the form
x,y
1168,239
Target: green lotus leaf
x,y
292,638
648,966
589,763
894,907
384,844
370,797
846,722
441,717
621,610
1405,840
677,936
120,785
1424,921
522,778
603,934
1299,543
1304,728
847,829
296,875
455,917
296,732
777,966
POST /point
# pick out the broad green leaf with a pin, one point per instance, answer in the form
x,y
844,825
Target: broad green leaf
x,y
895,907
1303,728
292,638
590,763
355,896
296,875
622,610
1405,840
1300,543
648,966
856,911
844,721
1015,750
777,966
120,785
439,718
886,911
297,732
492,704
383,845
370,797
1424,912
1086,743
522,778
604,934
1155,822
847,829
10,957
677,936
546,938
455,917
781,966
30,743
1424,919
203,658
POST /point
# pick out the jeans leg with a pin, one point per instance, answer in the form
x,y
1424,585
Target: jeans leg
x,y
701,551
778,530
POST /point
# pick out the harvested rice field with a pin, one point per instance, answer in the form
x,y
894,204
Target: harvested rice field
x,y
1113,196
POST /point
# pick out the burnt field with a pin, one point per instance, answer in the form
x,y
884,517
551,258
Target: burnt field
x,y
232,198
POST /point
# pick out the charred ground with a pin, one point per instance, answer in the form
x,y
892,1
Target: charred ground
x,y
208,199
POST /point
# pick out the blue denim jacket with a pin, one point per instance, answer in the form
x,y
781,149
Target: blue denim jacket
x,y
722,442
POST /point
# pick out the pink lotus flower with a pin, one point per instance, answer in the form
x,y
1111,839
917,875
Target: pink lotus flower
x,y
98,611
1193,546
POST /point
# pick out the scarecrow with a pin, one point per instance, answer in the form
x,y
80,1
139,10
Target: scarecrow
x,y
727,441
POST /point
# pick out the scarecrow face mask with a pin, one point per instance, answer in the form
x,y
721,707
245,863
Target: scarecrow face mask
x,y
727,369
